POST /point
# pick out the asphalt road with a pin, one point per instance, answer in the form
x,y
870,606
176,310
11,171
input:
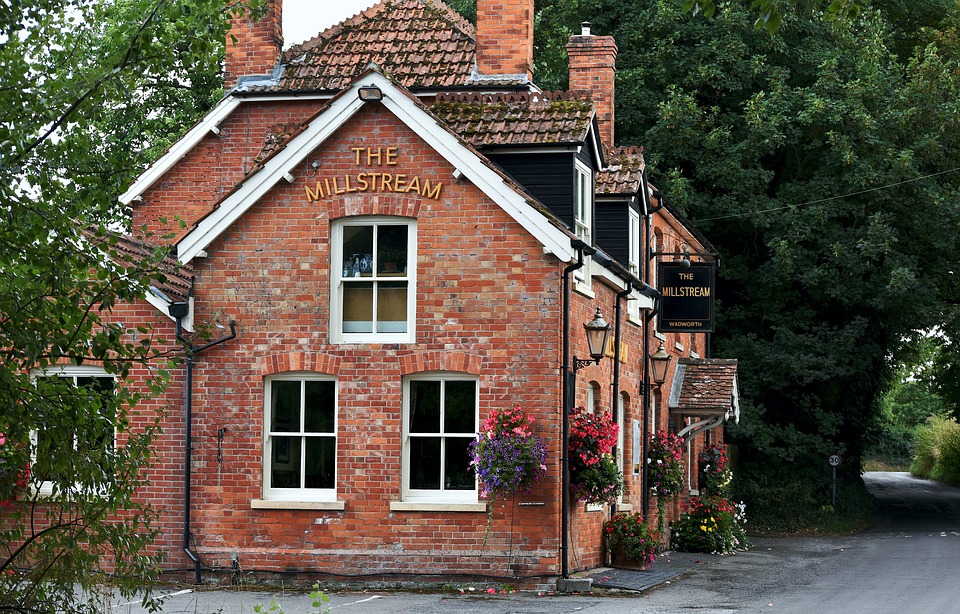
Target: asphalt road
x,y
908,563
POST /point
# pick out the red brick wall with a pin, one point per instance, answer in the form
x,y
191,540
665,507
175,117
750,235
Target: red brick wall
x,y
593,65
489,303
208,173
257,47
505,37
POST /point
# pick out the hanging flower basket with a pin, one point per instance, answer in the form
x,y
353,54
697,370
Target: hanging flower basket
x,y
507,457
594,475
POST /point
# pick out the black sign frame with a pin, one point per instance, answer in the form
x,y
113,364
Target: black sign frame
x,y
687,297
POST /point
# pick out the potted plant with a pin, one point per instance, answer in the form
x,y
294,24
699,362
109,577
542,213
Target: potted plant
x,y
631,543
594,475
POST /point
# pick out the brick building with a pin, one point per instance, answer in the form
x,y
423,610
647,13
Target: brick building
x,y
403,233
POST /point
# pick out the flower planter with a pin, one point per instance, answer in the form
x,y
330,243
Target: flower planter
x,y
619,560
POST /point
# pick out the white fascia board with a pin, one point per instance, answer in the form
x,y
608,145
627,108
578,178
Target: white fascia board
x,y
425,126
181,148
487,180
254,188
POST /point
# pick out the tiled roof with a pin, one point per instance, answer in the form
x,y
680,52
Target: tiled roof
x,y
419,43
624,171
171,279
707,386
522,118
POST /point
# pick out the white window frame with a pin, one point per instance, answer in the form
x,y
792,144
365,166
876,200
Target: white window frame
x,y
337,335
45,488
440,495
583,214
633,238
297,494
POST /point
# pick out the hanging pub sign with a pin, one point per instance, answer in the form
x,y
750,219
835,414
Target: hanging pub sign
x,y
687,295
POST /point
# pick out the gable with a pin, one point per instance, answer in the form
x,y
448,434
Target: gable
x,y
286,163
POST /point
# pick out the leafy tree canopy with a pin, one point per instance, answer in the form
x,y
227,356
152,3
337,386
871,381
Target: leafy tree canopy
x,y
89,91
822,161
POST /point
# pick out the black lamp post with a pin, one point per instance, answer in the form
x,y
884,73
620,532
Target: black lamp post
x,y
659,363
598,332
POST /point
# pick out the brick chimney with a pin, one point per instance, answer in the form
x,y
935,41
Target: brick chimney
x,y
258,44
505,38
593,68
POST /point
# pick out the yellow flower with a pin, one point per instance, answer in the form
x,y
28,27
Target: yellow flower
x,y
703,527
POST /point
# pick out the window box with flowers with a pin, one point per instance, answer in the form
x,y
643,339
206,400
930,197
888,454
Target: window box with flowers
x,y
631,543
594,475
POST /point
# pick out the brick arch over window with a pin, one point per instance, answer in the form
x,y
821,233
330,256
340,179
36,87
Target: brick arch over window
x,y
300,361
374,204
438,360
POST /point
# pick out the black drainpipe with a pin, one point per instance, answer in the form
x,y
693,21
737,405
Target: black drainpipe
x,y
567,381
616,365
179,311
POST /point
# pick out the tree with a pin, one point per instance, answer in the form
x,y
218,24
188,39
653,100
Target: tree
x,y
820,162
820,159
90,90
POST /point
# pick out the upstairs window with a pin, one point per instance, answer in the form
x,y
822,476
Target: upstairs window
x,y
583,212
373,287
633,238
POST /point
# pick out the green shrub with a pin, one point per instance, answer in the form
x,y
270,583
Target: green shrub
x,y
712,525
947,469
931,440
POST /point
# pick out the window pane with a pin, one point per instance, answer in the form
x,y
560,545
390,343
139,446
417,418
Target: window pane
x,y
358,307
425,408
460,407
285,407
459,473
425,463
285,468
321,462
320,407
391,249
392,307
357,250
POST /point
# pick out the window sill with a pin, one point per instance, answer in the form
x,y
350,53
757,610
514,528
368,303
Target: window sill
x,y
425,506
275,504
583,288
624,507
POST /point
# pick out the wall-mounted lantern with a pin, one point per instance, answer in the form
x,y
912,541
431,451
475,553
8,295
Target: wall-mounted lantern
x,y
598,332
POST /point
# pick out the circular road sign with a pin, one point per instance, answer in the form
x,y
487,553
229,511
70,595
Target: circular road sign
x,y
834,460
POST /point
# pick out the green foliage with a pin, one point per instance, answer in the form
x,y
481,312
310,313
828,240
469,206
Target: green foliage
x,y
92,89
937,452
318,599
710,524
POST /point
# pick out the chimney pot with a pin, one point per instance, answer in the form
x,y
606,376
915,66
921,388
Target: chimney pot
x,y
585,28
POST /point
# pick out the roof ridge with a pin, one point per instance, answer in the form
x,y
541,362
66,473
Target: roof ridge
x,y
333,31
513,97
